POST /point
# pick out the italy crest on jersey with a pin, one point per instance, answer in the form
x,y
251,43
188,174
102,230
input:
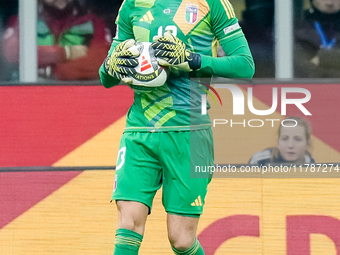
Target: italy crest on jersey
x,y
191,13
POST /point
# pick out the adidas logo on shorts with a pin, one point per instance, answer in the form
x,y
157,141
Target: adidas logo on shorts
x,y
197,202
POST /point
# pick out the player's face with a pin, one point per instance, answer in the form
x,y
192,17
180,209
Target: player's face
x,y
58,4
327,6
292,143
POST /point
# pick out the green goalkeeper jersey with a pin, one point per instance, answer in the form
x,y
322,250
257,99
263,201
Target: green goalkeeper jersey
x,y
202,25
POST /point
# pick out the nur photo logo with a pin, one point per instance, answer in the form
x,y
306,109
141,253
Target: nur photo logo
x,y
288,96
239,100
204,97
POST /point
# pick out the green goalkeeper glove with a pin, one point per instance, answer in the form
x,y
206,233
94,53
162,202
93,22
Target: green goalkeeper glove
x,y
172,52
122,61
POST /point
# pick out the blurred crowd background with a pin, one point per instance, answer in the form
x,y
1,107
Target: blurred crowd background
x,y
63,47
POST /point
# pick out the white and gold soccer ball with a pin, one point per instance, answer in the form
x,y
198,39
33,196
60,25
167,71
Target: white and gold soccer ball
x,y
148,73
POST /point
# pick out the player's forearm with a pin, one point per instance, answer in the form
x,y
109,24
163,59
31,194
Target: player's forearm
x,y
238,63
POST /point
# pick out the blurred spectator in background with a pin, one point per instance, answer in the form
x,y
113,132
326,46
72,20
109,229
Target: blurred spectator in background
x,y
7,9
317,41
71,41
293,144
1,54
107,10
258,26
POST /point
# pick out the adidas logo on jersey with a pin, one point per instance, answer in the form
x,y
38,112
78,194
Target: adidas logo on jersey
x,y
147,17
197,202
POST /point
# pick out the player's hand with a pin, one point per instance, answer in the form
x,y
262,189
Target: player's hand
x,y
172,52
122,61
75,51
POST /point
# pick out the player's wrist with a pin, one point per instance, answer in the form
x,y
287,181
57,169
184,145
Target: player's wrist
x,y
106,65
109,69
195,62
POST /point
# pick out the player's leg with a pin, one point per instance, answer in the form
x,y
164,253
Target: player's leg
x,y
184,192
182,235
130,227
138,177
132,215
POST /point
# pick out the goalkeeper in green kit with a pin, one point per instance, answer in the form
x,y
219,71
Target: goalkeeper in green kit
x,y
166,135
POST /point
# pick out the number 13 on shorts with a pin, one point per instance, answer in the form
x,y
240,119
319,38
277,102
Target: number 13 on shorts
x,y
119,164
121,158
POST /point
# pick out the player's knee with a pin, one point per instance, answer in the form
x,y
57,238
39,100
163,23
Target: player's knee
x,y
132,217
181,231
131,225
181,241
132,222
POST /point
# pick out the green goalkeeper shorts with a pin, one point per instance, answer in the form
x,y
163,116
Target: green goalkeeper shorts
x,y
146,161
